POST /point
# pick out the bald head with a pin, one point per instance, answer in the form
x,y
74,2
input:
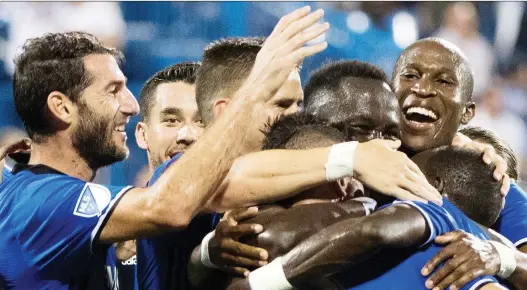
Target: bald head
x,y
433,83
447,52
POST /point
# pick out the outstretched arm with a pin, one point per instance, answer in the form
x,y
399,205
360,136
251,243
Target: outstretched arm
x,y
266,176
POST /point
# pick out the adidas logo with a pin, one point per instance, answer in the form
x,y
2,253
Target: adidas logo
x,y
131,261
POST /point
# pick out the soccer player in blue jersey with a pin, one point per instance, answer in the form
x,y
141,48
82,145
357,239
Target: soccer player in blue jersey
x,y
433,83
72,97
169,125
389,247
288,228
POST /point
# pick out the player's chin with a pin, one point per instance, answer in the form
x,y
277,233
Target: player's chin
x,y
121,149
417,143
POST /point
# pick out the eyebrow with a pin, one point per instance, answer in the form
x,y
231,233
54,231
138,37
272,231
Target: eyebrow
x,y
419,66
170,111
116,83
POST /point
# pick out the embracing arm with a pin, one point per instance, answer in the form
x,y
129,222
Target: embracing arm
x,y
350,241
345,243
271,175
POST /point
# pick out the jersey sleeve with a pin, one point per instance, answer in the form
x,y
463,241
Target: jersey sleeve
x,y
512,222
63,223
479,282
438,220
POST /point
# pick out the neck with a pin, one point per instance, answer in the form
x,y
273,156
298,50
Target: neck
x,y
59,154
409,152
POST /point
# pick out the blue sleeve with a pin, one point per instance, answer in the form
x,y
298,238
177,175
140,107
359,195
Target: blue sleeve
x,y
439,221
513,219
60,229
479,282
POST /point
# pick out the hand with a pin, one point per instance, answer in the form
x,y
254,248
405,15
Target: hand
x,y
379,165
227,253
467,258
283,50
14,147
489,156
125,250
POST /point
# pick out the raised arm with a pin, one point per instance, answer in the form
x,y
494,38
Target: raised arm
x,y
184,189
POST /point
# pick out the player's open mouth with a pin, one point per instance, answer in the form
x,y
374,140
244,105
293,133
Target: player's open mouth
x,y
120,128
419,118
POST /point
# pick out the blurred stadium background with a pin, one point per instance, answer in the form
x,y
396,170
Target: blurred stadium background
x,y
154,35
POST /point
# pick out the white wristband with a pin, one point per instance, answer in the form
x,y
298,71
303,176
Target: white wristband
x,y
205,258
340,160
508,261
368,203
269,277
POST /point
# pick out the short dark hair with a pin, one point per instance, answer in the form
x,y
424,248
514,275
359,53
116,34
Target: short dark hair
x,y
226,64
181,72
52,62
501,146
300,131
330,75
468,182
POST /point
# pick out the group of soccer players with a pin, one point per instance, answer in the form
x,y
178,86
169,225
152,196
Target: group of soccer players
x,y
360,181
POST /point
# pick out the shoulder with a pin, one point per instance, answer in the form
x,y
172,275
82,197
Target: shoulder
x,y
163,167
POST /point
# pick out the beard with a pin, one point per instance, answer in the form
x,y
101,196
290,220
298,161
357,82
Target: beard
x,y
93,140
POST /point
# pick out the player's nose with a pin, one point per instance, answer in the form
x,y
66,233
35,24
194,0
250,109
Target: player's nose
x,y
128,104
187,135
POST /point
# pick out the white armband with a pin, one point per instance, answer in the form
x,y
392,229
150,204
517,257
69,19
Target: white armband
x,y
368,203
508,261
340,160
269,277
205,258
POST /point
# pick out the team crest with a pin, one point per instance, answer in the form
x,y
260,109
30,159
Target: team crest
x,y
92,200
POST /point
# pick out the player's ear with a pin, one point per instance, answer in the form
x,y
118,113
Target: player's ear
x,y
141,135
439,184
60,108
348,188
468,112
219,106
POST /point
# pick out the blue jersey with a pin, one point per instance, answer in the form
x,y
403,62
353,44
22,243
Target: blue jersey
x,y
513,219
50,223
162,261
126,273
401,269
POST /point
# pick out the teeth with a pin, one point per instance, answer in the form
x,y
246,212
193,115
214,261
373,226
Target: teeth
x,y
422,111
119,129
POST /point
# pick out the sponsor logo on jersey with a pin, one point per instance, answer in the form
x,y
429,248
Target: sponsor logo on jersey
x,y
92,201
131,261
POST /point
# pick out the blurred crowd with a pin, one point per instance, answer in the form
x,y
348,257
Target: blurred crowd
x,y
493,35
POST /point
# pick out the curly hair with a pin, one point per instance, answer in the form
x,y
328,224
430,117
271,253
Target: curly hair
x,y
52,62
